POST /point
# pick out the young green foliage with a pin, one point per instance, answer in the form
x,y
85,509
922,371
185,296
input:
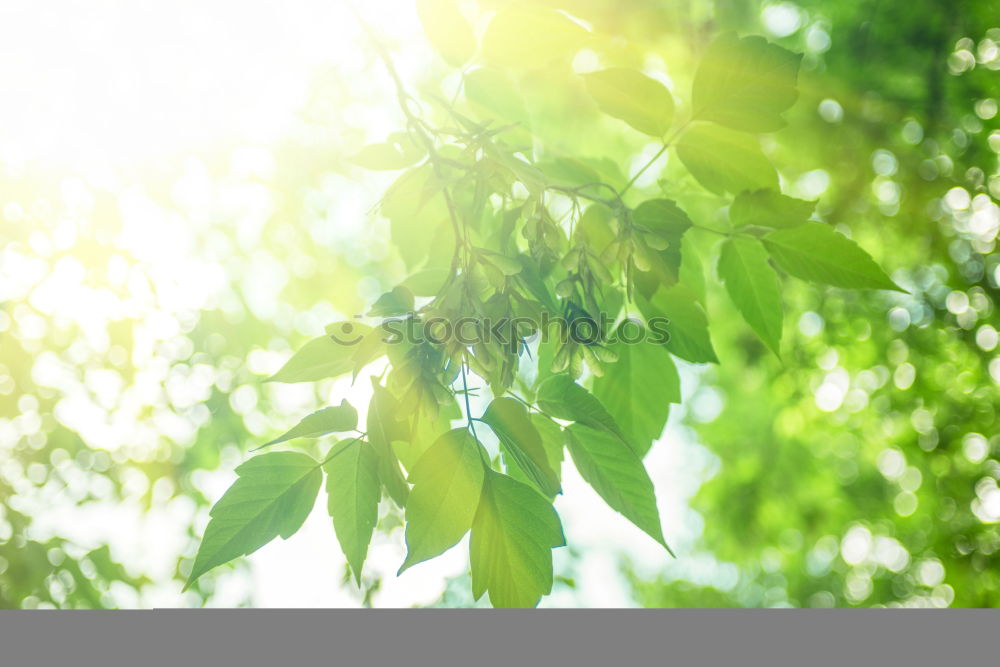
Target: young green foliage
x,y
638,390
753,286
689,337
522,442
769,208
447,483
352,496
618,476
633,97
724,160
448,30
272,496
334,419
384,428
523,36
319,359
815,252
501,223
513,535
561,397
745,83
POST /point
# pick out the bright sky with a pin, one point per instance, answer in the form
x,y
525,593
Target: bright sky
x,y
101,87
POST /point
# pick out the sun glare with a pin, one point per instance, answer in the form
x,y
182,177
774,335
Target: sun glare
x,y
99,84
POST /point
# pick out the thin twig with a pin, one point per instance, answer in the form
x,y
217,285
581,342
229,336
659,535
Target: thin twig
x,y
468,409
663,149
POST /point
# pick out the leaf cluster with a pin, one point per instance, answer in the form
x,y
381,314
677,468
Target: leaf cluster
x,y
493,224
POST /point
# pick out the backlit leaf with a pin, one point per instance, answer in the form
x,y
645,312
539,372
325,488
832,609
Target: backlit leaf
x,y
513,535
398,152
753,286
352,495
639,388
724,160
333,419
447,30
528,36
398,301
814,251
769,208
497,96
559,396
687,324
426,282
447,484
631,96
522,442
553,441
324,357
418,215
745,83
662,216
384,425
618,476
272,496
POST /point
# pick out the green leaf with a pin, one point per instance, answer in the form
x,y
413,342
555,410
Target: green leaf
x,y
814,251
527,36
496,94
398,301
426,282
745,83
579,170
723,160
618,476
769,208
418,215
662,216
631,96
324,357
753,286
368,349
530,277
639,388
692,273
559,396
668,222
508,266
447,484
687,324
521,440
513,535
553,441
384,426
398,152
352,495
334,419
272,496
447,30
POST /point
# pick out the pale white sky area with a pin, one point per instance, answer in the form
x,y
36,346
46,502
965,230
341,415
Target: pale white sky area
x,y
102,86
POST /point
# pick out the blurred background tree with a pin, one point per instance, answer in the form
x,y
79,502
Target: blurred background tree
x,y
862,468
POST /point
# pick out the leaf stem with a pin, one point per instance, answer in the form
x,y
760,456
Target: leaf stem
x,y
663,149
532,407
468,408
341,450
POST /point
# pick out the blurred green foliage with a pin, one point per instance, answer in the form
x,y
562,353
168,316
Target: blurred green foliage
x,y
862,468
126,326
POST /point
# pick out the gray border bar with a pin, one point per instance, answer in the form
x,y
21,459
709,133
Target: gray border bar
x,y
501,638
